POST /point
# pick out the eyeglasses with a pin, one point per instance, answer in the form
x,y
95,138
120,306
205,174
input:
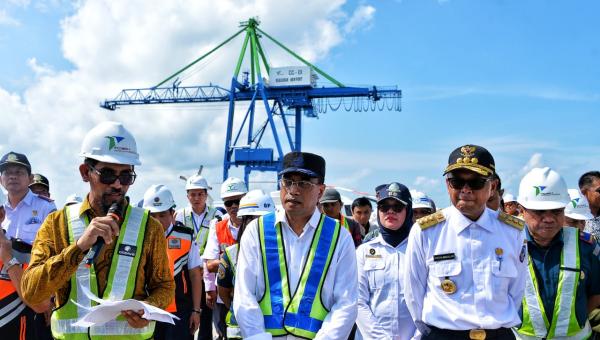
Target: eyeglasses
x,y
397,208
475,183
230,203
109,176
302,185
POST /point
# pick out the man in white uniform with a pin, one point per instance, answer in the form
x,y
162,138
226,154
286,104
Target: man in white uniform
x,y
466,263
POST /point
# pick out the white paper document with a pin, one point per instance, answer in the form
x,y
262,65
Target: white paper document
x,y
109,310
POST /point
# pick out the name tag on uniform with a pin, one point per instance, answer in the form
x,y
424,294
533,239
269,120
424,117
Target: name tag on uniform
x,y
444,257
372,254
174,243
127,250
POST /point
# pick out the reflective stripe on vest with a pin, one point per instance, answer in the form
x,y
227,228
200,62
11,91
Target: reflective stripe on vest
x,y
224,235
11,305
200,232
564,321
302,314
178,248
120,283
233,329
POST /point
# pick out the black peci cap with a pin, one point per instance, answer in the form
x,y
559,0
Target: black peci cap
x,y
471,157
14,158
304,163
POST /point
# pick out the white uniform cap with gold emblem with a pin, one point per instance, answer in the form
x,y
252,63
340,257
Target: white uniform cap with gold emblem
x,y
158,198
578,208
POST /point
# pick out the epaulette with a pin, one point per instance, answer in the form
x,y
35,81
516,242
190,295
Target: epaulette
x,y
587,237
47,199
431,220
511,220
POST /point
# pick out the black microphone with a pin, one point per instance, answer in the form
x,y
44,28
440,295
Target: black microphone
x,y
115,212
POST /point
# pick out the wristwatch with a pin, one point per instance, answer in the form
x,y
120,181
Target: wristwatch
x,y
12,262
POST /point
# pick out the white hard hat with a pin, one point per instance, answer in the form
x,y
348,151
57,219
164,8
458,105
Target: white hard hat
x,y
73,199
197,182
233,186
110,142
578,208
509,198
543,189
158,198
420,200
256,203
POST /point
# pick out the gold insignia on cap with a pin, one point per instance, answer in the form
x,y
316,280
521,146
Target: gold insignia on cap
x,y
431,220
511,220
467,151
12,157
448,286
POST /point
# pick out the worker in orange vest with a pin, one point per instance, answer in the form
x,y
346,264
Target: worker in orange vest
x,y
221,235
158,199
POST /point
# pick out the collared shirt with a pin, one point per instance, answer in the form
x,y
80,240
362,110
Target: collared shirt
x,y
546,264
212,251
54,260
198,220
489,290
24,220
339,291
593,227
382,310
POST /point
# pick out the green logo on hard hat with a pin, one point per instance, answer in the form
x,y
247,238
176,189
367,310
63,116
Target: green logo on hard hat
x,y
539,189
574,202
113,141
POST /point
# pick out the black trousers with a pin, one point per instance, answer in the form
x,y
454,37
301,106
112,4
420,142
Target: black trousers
x,y
205,332
447,334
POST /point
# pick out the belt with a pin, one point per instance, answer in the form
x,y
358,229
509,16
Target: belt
x,y
474,334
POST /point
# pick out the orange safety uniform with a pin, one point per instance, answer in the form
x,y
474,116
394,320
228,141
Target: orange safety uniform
x,y
179,243
224,235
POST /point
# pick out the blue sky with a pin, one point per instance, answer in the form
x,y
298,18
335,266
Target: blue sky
x,y
521,78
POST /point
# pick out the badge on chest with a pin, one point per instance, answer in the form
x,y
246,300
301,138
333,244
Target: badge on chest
x,y
174,243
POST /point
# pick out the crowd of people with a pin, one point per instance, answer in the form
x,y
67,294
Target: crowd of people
x,y
489,266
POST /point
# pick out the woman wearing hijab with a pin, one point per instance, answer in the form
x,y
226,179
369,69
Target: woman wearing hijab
x,y
382,311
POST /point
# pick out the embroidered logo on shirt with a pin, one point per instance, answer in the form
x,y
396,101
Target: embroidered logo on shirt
x,y
372,254
127,250
174,243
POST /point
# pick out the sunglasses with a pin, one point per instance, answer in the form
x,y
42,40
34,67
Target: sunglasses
x,y
397,208
109,176
475,183
230,203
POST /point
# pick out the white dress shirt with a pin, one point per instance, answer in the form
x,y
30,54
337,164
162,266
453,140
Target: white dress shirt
x,y
489,290
382,310
212,251
339,293
24,220
198,221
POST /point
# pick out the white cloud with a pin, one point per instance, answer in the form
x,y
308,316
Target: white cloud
x,y
20,3
7,20
361,18
115,44
425,182
535,161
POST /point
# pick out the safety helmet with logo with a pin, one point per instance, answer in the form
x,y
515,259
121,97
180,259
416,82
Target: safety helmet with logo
x,y
233,186
197,182
578,208
256,203
158,198
110,142
420,200
543,189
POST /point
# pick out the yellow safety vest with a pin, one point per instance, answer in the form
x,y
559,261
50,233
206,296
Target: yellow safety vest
x,y
200,231
564,321
120,283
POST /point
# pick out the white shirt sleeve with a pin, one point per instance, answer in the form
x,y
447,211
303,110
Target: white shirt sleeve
x,y
194,256
516,287
245,303
341,317
210,279
366,320
415,280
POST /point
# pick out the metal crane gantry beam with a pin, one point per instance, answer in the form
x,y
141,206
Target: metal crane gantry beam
x,y
278,101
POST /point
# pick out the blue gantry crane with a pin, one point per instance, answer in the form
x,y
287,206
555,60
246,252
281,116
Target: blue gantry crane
x,y
289,92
